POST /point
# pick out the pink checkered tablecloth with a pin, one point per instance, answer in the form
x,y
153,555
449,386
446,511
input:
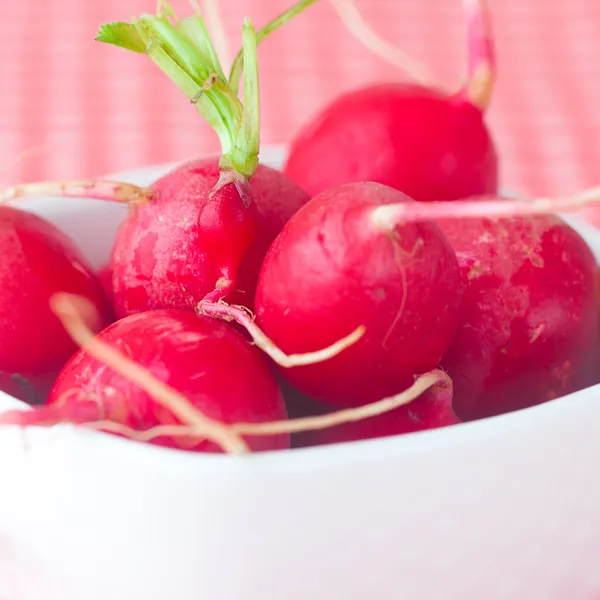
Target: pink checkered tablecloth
x,y
91,109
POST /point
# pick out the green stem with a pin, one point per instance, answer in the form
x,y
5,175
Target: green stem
x,y
238,64
183,50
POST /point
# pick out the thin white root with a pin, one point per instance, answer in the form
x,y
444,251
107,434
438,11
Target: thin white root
x,y
308,358
72,310
242,316
358,27
422,384
112,191
385,218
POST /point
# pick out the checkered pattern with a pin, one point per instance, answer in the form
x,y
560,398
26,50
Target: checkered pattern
x,y
84,108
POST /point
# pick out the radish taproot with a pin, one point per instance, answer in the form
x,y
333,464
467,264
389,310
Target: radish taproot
x,y
529,326
214,367
432,410
332,270
420,140
38,261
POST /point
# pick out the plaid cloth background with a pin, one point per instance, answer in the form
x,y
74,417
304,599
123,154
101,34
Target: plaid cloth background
x,y
86,109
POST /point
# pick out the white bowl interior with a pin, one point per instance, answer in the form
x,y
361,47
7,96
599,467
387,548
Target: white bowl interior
x,y
503,508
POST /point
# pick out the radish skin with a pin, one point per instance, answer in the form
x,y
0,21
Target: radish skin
x,y
159,260
529,328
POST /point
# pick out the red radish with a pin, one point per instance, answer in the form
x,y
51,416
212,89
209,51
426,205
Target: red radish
x,y
221,374
160,259
38,261
432,410
529,329
420,140
331,270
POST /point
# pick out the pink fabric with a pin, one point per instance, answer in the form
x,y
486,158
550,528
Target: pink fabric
x,y
90,109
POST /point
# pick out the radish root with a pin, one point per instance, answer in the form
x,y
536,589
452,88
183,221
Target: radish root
x,y
385,218
421,385
358,27
72,310
243,317
112,191
433,379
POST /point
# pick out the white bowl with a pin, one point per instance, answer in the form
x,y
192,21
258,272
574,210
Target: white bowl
x,y
506,508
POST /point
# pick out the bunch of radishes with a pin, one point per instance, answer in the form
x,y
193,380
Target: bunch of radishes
x,y
380,281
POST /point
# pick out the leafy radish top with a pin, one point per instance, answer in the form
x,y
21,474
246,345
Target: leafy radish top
x,y
183,50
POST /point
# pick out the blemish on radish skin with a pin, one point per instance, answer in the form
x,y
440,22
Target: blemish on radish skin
x,y
535,334
188,337
414,417
486,238
379,294
505,349
477,270
197,376
537,261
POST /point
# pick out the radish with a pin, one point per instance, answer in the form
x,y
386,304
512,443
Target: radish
x,y
529,330
213,366
420,140
331,270
38,261
432,410
203,228
161,259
